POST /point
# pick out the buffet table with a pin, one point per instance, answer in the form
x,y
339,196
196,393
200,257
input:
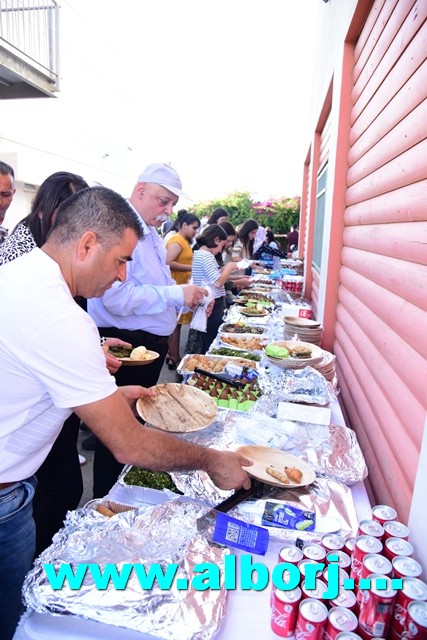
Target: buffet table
x,y
248,612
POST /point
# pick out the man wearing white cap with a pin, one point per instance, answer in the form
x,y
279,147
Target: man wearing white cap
x,y
142,310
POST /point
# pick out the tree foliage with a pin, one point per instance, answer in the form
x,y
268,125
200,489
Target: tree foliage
x,y
278,214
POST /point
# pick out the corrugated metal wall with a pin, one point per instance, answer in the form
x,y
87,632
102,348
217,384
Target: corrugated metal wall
x,y
381,330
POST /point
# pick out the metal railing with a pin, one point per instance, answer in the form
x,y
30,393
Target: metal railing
x,y
29,31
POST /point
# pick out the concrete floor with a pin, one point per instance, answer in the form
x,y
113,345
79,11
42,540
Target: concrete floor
x,y
166,375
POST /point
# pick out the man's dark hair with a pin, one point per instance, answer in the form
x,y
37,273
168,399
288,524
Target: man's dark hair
x,y
96,209
6,169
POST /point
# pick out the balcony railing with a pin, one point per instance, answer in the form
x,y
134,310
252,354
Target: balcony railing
x,y
29,32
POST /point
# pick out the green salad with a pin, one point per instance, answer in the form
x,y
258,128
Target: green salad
x,y
152,479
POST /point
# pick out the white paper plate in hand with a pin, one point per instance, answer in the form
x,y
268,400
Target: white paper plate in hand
x,y
264,457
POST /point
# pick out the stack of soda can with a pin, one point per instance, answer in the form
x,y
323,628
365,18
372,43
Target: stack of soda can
x,y
375,608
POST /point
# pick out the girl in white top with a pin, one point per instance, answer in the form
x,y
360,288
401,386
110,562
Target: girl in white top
x,y
207,271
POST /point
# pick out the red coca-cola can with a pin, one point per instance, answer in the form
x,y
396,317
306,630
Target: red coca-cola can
x,y
376,607
373,563
339,619
394,547
342,575
292,554
363,546
303,564
313,551
284,611
394,529
341,558
349,544
332,542
383,513
348,635
311,620
416,621
304,313
405,567
370,528
345,598
318,592
412,589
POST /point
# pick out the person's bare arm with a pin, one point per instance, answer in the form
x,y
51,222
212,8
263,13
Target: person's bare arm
x,y
111,420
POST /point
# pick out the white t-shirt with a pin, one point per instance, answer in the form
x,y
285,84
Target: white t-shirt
x,y
50,359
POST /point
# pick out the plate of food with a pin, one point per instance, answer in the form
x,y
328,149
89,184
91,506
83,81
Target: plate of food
x,y
130,356
293,354
177,408
277,468
241,327
253,312
246,342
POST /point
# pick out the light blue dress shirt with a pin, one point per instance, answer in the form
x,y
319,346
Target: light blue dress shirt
x,y
149,299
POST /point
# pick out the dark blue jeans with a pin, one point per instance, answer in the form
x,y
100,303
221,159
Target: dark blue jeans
x,y
17,546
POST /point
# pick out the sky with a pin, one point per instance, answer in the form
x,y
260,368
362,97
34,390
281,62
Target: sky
x,y
221,90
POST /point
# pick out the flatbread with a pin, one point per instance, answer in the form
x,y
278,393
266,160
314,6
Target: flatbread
x,y
177,408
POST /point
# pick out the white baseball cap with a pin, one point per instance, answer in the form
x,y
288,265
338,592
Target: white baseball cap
x,y
164,175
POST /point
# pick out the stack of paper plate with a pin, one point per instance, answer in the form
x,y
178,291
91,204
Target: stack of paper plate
x,y
326,366
304,329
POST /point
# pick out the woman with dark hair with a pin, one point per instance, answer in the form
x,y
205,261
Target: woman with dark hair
x,y
269,250
32,231
174,225
244,247
179,258
207,272
218,216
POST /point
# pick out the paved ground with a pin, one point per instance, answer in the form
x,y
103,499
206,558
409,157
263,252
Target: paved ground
x,y
166,376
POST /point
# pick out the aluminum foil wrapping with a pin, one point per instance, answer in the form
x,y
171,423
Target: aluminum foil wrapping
x,y
332,451
329,499
164,534
294,385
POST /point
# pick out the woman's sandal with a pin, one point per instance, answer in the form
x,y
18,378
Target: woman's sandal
x,y
171,363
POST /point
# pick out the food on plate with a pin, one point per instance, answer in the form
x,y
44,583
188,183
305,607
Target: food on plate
x,y
274,351
140,353
214,364
105,511
224,351
253,312
278,475
293,474
241,327
177,408
300,352
120,351
250,344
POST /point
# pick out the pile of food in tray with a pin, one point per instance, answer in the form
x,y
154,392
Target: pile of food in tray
x,y
241,327
214,362
232,353
151,479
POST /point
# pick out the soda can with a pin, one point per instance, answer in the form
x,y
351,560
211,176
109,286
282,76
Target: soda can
x,y
284,611
292,554
348,635
332,542
311,620
342,575
339,619
376,607
313,551
397,547
412,589
373,563
363,546
302,566
345,598
394,529
405,567
383,513
416,621
343,561
370,528
317,593
349,544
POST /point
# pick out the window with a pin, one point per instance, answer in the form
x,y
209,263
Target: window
x,y
319,219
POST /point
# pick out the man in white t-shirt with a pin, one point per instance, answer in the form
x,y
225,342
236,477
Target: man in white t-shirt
x,y
52,364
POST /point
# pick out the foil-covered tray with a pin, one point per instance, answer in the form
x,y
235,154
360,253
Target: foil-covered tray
x,y
163,534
